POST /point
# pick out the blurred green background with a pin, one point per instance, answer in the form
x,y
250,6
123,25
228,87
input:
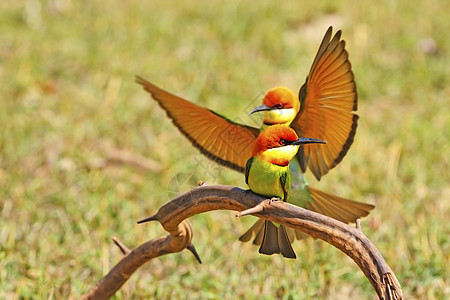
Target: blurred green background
x,y
85,152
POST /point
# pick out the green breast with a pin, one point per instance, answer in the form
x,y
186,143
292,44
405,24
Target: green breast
x,y
264,179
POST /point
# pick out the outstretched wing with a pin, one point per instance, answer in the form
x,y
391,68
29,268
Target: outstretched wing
x,y
328,103
225,142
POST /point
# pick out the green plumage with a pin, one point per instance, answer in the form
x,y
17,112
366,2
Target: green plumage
x,y
271,180
268,179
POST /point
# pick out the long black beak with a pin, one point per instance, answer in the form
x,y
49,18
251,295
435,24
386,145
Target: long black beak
x,y
307,141
260,108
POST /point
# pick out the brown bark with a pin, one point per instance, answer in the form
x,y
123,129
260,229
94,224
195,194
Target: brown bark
x,y
173,215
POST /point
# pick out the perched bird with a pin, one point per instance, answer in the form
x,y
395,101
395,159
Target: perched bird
x,y
324,109
267,173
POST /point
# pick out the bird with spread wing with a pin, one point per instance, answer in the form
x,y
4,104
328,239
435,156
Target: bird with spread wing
x,y
323,109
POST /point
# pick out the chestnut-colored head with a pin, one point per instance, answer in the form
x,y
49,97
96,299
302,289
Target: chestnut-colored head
x,y
278,144
280,106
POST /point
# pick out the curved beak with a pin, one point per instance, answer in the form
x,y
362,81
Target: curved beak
x,y
260,108
302,140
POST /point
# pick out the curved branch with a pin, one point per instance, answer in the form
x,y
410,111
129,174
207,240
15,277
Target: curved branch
x,y
172,215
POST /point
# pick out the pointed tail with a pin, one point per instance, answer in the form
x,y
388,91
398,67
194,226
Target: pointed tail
x,y
341,209
272,239
336,207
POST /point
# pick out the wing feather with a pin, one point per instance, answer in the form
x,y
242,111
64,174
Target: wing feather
x,y
328,104
223,141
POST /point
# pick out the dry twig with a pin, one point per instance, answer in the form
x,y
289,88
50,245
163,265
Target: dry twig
x,y
173,215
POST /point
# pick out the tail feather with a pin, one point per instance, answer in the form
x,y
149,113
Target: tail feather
x,y
299,235
249,233
272,239
295,234
291,234
338,208
269,243
259,234
284,243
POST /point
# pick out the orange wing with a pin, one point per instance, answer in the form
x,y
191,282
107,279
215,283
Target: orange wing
x,y
328,100
225,142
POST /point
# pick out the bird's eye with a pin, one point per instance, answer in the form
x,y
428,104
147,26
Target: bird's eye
x,y
279,105
282,142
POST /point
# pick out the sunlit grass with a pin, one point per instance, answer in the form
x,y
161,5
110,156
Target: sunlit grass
x,y
69,98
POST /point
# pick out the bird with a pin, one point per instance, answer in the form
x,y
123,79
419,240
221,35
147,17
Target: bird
x,y
267,174
324,108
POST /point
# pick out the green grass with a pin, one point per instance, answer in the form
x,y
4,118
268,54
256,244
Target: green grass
x,y
68,98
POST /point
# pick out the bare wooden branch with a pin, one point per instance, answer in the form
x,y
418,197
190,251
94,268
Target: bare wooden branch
x,y
179,239
121,246
172,215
